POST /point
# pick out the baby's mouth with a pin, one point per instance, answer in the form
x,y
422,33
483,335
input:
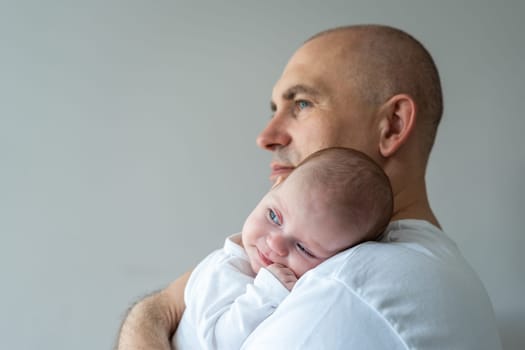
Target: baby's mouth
x,y
263,258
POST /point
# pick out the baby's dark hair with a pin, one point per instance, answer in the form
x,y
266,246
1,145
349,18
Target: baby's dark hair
x,y
355,186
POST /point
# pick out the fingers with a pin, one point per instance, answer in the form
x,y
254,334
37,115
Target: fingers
x,y
285,275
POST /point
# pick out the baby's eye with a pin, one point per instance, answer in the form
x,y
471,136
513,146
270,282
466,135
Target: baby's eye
x,y
303,250
274,217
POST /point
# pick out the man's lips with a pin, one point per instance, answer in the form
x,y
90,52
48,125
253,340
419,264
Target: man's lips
x,y
280,170
264,259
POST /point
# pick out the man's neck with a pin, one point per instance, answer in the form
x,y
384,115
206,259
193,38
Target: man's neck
x,y
411,202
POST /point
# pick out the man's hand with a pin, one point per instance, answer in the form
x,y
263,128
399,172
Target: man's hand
x,y
151,322
283,274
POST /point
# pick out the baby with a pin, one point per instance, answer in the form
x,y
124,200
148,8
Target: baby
x,y
335,199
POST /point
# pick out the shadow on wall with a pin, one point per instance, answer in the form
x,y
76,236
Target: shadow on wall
x,y
512,331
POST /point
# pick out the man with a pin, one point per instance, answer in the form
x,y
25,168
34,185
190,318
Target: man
x,y
376,89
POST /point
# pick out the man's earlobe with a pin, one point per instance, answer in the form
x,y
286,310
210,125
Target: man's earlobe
x,y
397,123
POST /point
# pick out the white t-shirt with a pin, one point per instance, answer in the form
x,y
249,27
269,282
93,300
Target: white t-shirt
x,y
224,302
412,290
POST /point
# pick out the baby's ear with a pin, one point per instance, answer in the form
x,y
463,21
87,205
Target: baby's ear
x,y
277,182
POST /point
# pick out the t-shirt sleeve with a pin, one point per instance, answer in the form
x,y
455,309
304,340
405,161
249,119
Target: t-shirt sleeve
x,y
226,305
325,316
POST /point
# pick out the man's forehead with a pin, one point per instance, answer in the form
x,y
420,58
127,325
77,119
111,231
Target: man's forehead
x,y
314,65
300,78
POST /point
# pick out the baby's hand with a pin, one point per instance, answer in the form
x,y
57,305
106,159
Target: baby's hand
x,y
283,274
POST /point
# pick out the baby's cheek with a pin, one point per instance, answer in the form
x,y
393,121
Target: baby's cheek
x,y
304,267
255,266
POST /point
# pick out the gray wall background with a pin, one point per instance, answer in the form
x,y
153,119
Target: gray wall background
x,y
127,146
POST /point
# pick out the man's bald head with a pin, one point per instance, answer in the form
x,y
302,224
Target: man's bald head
x,y
382,62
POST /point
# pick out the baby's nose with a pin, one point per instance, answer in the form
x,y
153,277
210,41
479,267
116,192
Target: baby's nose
x,y
277,243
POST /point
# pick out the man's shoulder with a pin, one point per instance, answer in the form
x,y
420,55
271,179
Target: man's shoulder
x,y
404,244
414,279
412,255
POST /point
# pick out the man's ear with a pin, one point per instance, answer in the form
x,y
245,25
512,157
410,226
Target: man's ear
x,y
398,121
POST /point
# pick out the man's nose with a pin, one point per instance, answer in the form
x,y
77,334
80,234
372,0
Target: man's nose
x,y
277,243
275,134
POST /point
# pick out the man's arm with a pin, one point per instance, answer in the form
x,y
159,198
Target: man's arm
x,y
152,321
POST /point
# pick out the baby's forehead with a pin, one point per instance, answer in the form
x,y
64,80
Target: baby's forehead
x,y
316,192
305,173
297,184
304,191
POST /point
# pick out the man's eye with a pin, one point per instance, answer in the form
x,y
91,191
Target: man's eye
x,y
302,104
274,217
301,248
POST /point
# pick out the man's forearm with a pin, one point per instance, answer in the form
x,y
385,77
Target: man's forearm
x,y
152,321
146,326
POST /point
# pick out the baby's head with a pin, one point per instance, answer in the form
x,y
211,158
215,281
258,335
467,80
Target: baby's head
x,y
336,198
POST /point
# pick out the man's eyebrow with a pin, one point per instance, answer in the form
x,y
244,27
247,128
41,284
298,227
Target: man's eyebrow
x,y
291,92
